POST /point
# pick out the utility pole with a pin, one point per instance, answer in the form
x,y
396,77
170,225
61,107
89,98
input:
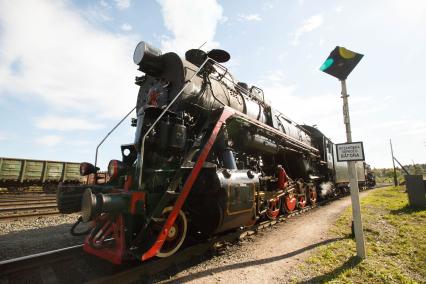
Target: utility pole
x,y
356,207
395,180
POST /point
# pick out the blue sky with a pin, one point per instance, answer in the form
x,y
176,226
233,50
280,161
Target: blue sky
x,y
67,75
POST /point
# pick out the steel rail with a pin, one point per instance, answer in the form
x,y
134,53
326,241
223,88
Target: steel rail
x,y
24,208
23,216
35,260
33,256
29,202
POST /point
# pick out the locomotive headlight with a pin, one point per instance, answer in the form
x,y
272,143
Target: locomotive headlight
x,y
86,169
148,58
116,168
145,51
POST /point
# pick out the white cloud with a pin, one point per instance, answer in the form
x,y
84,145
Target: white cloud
x,y
65,123
67,62
97,14
410,13
104,4
267,5
122,4
308,25
3,136
49,140
249,17
338,9
79,143
191,22
223,20
126,27
319,110
282,56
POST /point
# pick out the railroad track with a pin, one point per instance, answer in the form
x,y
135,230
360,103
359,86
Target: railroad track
x,y
25,206
72,265
26,195
57,266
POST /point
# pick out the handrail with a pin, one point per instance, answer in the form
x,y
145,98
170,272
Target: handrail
x,y
162,114
109,133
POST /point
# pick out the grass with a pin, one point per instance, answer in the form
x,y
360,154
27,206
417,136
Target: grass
x,y
395,237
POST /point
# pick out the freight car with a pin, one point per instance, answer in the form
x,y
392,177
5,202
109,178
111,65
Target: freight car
x,y
210,155
16,175
370,177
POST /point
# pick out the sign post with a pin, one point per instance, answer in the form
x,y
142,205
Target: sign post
x,y
356,207
340,64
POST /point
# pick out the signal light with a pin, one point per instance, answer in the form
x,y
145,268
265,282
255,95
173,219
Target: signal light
x,y
341,62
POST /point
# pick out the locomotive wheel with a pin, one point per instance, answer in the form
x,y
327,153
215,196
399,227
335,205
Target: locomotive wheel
x,y
289,203
273,210
312,194
176,235
302,201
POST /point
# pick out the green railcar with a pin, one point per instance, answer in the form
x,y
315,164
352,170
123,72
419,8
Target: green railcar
x,y
20,174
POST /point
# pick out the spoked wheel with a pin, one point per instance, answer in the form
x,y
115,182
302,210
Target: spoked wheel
x,y
289,203
302,201
312,194
273,210
176,235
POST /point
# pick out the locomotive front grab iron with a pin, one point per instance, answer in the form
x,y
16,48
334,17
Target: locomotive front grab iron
x,y
210,155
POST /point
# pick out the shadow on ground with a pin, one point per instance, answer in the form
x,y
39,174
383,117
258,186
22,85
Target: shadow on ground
x,y
407,210
251,263
349,264
25,242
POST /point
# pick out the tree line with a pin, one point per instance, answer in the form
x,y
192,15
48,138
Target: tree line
x,y
385,175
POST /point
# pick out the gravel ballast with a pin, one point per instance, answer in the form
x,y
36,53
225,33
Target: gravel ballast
x,y
34,235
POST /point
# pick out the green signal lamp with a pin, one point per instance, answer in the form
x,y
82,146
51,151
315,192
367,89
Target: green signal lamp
x,y
341,62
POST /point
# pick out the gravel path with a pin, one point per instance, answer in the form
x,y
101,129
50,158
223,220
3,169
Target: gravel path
x,y
34,235
272,255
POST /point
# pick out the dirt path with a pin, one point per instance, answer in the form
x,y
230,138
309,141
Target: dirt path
x,y
270,256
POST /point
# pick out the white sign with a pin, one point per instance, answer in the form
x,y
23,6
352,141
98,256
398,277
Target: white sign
x,y
350,152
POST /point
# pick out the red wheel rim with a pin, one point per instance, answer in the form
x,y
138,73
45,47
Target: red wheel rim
x,y
302,202
290,203
313,195
273,209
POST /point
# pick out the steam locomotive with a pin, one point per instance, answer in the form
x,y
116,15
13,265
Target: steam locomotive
x,y
210,155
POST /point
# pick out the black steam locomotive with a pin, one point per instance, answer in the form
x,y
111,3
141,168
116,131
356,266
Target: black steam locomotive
x,y
210,155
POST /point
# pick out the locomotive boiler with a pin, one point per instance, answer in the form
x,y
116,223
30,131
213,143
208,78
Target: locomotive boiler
x,y
210,155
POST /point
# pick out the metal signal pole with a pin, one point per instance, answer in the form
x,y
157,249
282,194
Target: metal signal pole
x,y
395,180
356,208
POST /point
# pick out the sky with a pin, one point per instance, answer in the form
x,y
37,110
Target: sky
x,y
67,74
